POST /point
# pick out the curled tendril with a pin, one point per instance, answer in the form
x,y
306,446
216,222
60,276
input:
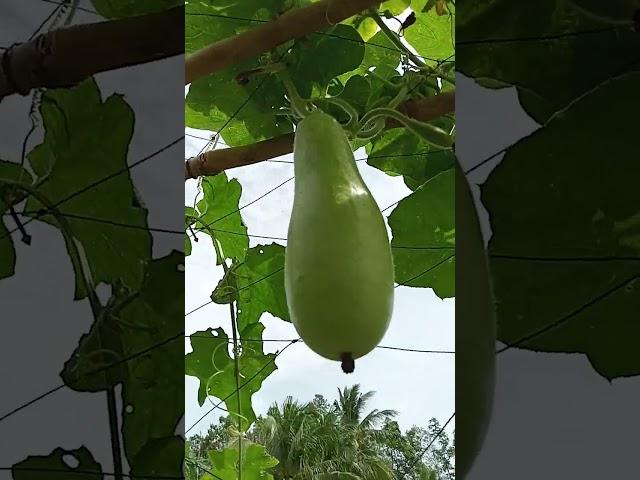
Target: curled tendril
x,y
346,107
429,133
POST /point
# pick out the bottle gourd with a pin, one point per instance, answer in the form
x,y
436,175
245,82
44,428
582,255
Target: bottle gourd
x,y
339,270
475,332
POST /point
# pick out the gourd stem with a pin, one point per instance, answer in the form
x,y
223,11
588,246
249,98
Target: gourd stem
x,y
347,362
395,39
236,362
298,104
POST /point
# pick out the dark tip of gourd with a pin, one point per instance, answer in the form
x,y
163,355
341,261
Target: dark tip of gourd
x,y
348,364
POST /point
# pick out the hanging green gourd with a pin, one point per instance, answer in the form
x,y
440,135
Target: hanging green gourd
x,y
339,273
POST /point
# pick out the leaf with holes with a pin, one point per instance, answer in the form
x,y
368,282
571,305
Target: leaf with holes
x,y
153,391
59,465
102,189
211,363
423,227
568,267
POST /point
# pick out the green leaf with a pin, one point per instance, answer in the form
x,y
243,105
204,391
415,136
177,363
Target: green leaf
x,y
211,363
400,152
73,157
585,192
191,214
247,112
255,463
7,252
433,35
159,458
261,285
153,390
100,347
381,91
228,19
127,8
322,57
365,25
396,7
423,227
55,467
581,60
142,341
219,215
14,172
10,173
380,52
225,291
244,114
187,245
356,93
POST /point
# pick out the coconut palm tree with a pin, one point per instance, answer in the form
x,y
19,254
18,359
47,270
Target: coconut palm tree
x,y
284,433
311,441
351,404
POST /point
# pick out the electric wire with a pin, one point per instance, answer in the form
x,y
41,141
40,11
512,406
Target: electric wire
x,y
287,340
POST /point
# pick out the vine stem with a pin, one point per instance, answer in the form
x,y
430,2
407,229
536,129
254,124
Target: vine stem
x,y
393,37
236,362
77,258
236,367
298,104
